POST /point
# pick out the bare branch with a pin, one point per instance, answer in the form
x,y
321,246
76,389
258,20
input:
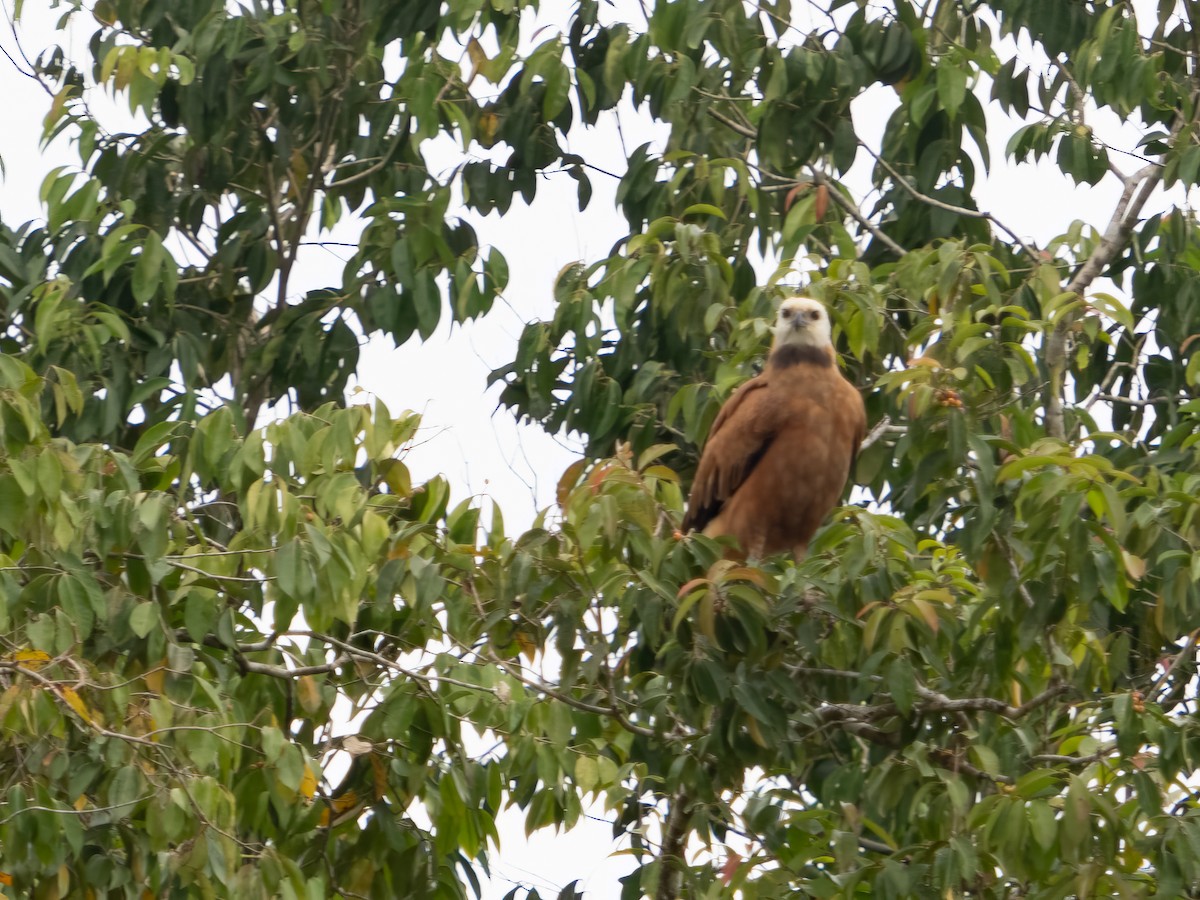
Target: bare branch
x,y
834,673
237,579
1138,188
934,702
284,672
56,689
71,811
1059,759
875,433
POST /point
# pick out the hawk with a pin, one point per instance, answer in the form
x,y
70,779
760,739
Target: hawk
x,y
782,447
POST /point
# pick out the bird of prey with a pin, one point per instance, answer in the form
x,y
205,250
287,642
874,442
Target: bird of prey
x,y
783,445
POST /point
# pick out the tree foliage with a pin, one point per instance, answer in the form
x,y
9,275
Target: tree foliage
x,y
980,683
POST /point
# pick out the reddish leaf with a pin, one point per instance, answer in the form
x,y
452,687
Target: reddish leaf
x,y
731,866
801,187
821,204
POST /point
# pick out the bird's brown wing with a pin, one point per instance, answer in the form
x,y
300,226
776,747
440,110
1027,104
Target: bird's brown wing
x,y
740,434
854,401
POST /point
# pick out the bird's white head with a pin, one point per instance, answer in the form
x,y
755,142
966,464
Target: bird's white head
x,y
804,322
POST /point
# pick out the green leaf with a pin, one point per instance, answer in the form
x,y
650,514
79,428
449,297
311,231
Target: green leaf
x,y
124,791
143,619
704,209
147,271
951,87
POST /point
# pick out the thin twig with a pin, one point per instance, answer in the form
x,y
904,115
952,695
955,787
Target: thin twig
x,y
743,130
950,207
1188,651
947,759
1016,573
1073,760
370,170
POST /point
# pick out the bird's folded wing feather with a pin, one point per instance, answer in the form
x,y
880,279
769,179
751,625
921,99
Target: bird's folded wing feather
x,y
739,436
854,401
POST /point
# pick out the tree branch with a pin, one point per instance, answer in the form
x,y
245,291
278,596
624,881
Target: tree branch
x,y
875,433
1187,651
671,850
582,705
935,702
1138,188
366,173
950,207
738,127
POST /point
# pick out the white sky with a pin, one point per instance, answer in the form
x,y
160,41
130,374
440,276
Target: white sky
x,y
482,451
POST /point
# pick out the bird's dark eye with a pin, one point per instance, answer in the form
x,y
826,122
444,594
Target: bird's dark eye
x,y
814,315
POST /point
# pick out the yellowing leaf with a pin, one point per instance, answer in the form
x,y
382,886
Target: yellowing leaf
x,y
755,734
308,783
927,612
380,775
339,807
29,659
488,125
1134,565
309,693
298,174
528,645
346,801
927,361
104,12
745,573
72,699
479,57
936,595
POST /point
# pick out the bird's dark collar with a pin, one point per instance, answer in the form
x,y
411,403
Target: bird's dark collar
x,y
793,354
